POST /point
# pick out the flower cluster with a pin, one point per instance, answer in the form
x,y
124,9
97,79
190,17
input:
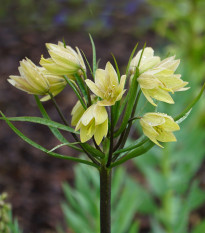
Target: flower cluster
x,y
156,79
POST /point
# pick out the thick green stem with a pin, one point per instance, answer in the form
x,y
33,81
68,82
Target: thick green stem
x,y
105,200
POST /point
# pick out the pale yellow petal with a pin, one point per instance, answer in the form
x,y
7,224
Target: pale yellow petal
x,y
65,60
149,63
153,119
148,81
94,88
102,79
148,96
119,97
112,73
166,137
86,132
101,131
170,125
52,67
77,113
88,115
100,114
122,82
161,95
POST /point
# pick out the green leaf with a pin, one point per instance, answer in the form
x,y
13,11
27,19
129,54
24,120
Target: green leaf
x,y
117,67
55,131
94,55
138,143
88,64
134,153
66,144
132,93
42,121
134,228
191,105
130,59
82,87
75,90
34,144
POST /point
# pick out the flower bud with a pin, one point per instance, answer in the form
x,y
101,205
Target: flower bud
x,y
31,80
106,85
63,61
159,127
37,80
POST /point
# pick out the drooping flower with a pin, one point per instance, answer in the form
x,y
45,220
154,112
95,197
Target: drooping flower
x,y
94,122
77,113
31,80
159,127
147,61
63,61
158,82
106,85
37,80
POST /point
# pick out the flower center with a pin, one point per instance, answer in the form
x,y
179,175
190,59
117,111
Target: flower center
x,y
159,129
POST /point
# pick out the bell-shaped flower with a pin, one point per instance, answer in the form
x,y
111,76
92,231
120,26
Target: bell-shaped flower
x,y
158,82
106,85
31,80
37,80
147,61
94,122
64,60
159,127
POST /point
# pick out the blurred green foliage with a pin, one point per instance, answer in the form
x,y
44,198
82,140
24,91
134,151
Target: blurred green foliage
x,y
182,23
168,198
81,208
7,223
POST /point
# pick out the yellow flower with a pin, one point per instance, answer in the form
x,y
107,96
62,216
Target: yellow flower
x,y
94,121
158,82
37,80
159,127
31,80
106,85
63,61
148,61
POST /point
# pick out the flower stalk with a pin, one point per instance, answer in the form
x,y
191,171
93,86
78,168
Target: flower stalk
x,y
105,199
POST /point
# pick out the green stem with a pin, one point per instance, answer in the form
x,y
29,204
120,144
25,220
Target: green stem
x,y
105,199
111,138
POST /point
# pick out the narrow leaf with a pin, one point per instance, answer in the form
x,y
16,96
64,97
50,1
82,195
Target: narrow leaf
x,y
191,105
134,153
117,67
66,144
130,59
138,143
42,121
34,144
76,91
94,55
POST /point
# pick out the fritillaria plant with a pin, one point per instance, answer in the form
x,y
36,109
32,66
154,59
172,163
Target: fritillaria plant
x,y
106,107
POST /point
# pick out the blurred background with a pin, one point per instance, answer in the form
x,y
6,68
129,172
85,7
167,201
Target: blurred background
x,y
169,182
